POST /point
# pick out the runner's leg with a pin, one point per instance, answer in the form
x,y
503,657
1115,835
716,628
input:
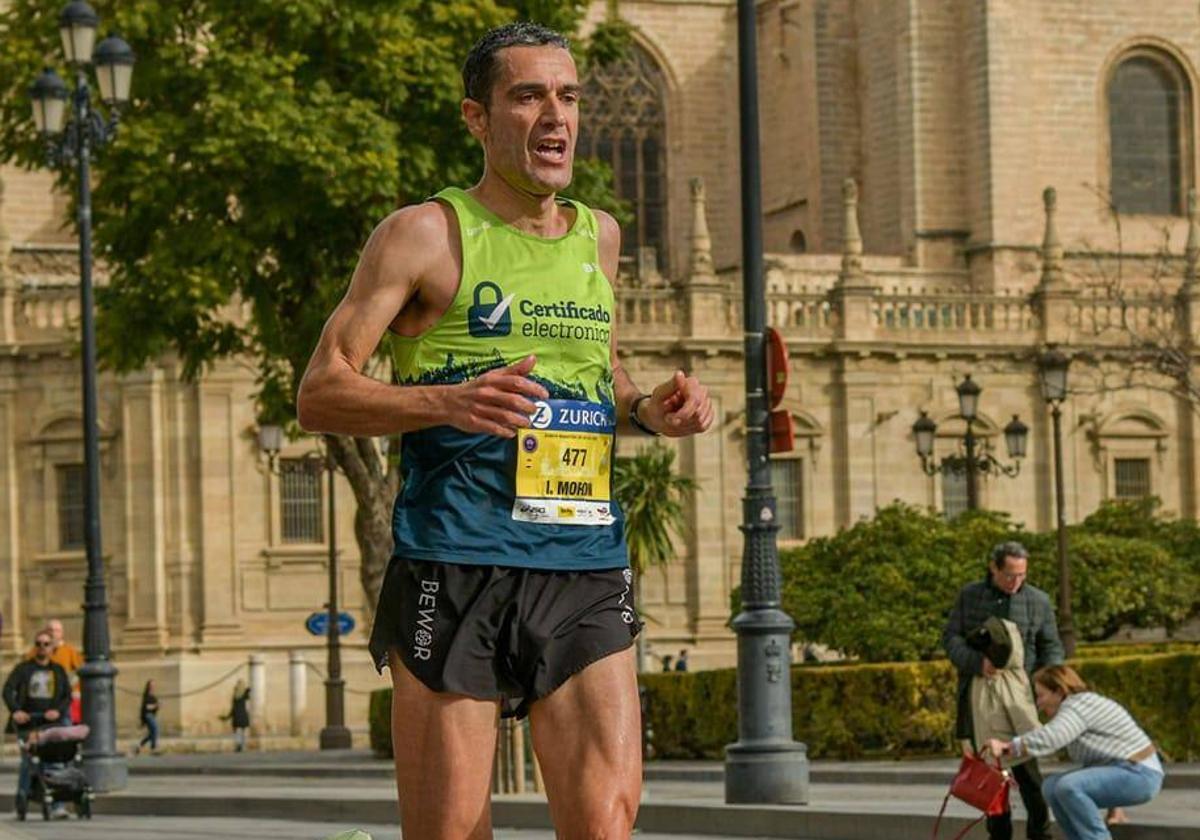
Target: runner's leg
x,y
443,746
588,739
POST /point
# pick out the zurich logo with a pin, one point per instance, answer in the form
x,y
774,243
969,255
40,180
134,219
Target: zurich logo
x,y
542,415
486,320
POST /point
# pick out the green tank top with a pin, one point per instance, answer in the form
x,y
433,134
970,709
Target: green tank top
x,y
542,500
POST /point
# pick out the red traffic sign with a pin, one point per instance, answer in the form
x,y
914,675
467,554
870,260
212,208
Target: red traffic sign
x,y
783,431
777,367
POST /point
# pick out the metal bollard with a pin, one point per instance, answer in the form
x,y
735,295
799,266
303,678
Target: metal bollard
x,y
298,686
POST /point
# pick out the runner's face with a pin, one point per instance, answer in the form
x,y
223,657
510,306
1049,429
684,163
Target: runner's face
x,y
529,127
42,647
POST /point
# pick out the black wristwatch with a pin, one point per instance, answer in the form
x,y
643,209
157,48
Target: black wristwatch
x,y
636,421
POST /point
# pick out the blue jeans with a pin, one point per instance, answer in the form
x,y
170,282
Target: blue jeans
x,y
1077,797
151,738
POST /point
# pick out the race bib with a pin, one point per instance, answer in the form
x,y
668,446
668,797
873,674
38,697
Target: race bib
x,y
564,464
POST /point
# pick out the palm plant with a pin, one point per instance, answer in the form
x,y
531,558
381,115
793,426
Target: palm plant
x,y
651,495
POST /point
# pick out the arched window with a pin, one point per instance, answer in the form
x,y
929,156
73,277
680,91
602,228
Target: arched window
x,y
623,124
1148,117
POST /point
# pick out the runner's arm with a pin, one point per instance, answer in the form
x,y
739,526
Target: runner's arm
x,y
336,397
678,407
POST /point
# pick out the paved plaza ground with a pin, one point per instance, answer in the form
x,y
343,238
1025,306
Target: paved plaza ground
x,y
225,828
302,795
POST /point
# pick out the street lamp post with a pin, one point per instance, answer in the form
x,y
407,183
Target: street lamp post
x,y
765,765
1016,436
334,735
1052,367
73,144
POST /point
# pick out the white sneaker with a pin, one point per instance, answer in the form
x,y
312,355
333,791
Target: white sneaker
x,y
58,811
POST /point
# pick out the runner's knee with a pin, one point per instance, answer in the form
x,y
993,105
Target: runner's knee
x,y
611,821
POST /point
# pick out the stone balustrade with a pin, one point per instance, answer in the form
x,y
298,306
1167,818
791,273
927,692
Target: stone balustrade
x,y
46,310
939,314
1116,318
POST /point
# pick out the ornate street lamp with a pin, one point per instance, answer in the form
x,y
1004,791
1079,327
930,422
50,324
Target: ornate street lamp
x,y
67,145
1052,367
334,735
1016,436
765,765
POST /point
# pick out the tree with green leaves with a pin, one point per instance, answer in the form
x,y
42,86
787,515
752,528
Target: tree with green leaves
x,y
651,495
264,143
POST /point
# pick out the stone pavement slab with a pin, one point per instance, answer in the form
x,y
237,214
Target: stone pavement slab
x,y
896,800
695,808
225,828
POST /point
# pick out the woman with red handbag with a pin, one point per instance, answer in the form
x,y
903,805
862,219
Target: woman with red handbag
x,y
1120,764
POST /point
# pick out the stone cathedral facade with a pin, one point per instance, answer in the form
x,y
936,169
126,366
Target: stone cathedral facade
x,y
907,148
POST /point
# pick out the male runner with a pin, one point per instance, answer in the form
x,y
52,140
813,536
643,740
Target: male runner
x,y
509,588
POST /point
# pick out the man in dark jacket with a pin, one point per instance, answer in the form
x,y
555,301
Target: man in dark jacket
x,y
37,691
1004,594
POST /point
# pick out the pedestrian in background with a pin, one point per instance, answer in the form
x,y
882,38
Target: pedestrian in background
x,y
1004,594
666,664
681,662
1120,763
68,656
37,693
239,714
148,715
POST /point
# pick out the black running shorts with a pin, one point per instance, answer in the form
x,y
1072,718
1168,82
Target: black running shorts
x,y
500,633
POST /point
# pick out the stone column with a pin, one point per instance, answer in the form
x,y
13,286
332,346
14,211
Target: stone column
x,y
703,458
706,297
145,494
10,515
853,297
258,694
1054,300
217,507
8,282
298,689
855,465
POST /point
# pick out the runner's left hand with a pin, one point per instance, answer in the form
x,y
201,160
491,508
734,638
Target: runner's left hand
x,y
679,407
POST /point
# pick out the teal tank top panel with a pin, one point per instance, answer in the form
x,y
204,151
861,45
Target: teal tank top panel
x,y
544,499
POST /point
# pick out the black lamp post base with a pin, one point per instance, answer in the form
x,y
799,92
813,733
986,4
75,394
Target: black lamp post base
x,y
335,738
105,773
766,774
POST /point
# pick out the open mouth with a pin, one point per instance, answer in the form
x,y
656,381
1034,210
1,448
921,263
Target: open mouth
x,y
551,151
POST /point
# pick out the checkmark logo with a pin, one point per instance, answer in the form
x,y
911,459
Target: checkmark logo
x,y
491,320
489,315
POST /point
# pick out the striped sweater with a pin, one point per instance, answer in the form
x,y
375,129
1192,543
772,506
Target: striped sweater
x,y
1094,729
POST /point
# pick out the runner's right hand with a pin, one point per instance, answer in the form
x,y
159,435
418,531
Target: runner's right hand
x,y
498,402
20,717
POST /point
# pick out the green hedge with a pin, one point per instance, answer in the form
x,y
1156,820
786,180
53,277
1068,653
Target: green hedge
x,y
905,709
885,709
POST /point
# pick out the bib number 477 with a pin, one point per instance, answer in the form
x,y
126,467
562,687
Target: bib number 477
x,y
574,457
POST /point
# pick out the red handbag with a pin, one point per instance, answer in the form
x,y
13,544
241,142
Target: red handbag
x,y
980,785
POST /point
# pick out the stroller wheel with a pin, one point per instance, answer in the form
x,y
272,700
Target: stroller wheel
x,y
45,810
84,809
22,803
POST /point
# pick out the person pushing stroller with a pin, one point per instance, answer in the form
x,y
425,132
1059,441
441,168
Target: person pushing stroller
x,y
37,692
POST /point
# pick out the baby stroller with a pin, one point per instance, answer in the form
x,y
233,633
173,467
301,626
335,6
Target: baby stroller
x,y
55,773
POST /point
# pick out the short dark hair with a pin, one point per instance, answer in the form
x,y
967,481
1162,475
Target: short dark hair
x,y
1004,550
479,70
